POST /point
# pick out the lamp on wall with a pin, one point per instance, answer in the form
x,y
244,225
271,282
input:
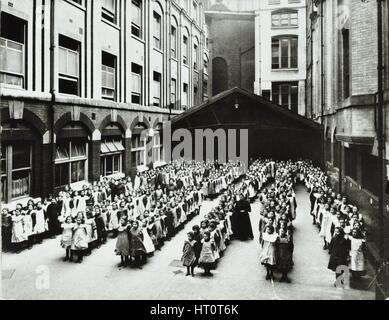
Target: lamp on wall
x,y
236,103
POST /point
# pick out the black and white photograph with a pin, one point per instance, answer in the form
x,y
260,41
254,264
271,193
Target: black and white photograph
x,y
194,150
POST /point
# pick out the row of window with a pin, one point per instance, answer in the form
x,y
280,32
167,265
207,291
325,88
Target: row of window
x,y
12,64
109,10
71,162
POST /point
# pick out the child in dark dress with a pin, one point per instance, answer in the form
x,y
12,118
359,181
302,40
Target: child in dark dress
x,y
339,250
188,254
137,248
284,254
123,242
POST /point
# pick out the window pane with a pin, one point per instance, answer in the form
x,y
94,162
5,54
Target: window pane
x,y
78,149
3,160
21,156
136,82
294,98
20,183
109,5
285,96
62,61
62,151
116,164
275,55
77,171
72,63
61,174
136,13
284,53
108,165
14,57
293,52
3,188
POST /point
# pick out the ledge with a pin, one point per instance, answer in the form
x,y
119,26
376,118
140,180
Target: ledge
x,y
357,140
59,99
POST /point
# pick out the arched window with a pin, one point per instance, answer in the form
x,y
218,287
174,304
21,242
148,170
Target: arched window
x,y
71,159
185,46
16,161
196,54
219,68
284,52
111,150
174,38
138,146
284,18
157,26
157,146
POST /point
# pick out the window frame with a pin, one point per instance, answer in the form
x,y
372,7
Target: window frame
x,y
68,77
9,171
138,150
277,42
173,41
157,24
291,86
173,101
69,161
159,91
6,73
137,27
104,157
136,75
289,13
185,51
107,14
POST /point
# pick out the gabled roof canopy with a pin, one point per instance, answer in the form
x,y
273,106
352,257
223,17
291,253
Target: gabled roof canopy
x,y
253,111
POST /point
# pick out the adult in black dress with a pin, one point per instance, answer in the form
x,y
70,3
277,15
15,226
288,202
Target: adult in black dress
x,y
53,212
241,224
339,250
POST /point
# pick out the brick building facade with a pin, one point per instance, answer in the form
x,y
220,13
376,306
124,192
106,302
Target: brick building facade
x,y
81,80
259,46
341,94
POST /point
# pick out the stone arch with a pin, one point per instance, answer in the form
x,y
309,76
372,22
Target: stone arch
x,y
157,122
220,75
67,118
138,120
29,117
108,119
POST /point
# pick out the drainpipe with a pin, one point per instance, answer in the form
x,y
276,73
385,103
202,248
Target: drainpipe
x,y
381,148
52,91
322,78
322,59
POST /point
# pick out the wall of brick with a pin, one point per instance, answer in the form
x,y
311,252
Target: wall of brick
x,y
233,38
363,47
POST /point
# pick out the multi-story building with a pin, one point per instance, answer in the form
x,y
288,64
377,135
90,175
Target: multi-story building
x,y
280,47
342,85
80,80
260,46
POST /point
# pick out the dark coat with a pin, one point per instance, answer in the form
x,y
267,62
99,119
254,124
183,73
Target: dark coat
x,y
338,249
241,223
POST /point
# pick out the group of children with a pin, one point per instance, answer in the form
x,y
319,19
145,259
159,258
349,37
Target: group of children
x,y
30,224
207,243
145,211
278,210
340,223
140,214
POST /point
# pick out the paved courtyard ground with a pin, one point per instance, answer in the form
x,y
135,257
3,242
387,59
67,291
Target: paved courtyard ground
x,y
239,274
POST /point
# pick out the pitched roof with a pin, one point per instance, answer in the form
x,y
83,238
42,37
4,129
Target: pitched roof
x,y
263,102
